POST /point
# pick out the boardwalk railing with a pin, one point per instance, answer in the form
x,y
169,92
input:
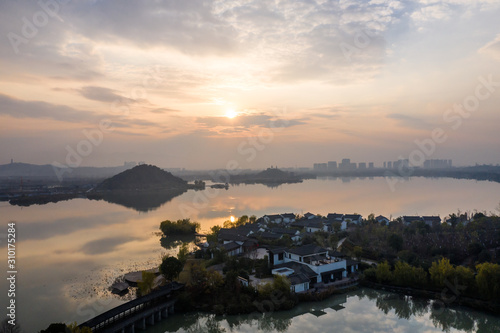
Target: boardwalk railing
x,y
138,312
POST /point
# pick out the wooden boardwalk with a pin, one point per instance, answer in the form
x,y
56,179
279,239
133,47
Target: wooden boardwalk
x,y
138,313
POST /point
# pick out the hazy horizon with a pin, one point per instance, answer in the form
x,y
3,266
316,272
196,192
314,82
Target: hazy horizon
x,y
207,85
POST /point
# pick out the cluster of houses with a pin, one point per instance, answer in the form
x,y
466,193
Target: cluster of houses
x,y
429,220
306,266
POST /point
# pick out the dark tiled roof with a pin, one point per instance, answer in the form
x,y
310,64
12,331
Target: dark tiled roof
x,y
334,216
230,246
289,215
298,278
350,262
432,218
298,269
308,249
352,216
411,218
284,231
274,216
277,250
270,235
315,224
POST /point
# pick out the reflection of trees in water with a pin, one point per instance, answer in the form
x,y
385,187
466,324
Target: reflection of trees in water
x,y
142,201
207,323
271,323
443,318
173,242
446,319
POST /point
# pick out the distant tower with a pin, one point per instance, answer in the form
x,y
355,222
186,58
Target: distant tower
x,y
11,161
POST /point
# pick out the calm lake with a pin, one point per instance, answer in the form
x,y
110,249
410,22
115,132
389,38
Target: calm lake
x,y
69,253
362,311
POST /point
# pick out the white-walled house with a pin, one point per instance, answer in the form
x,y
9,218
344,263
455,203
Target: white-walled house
x,y
382,219
288,217
314,225
353,218
311,261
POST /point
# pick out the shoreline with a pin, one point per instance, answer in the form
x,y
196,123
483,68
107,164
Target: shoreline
x,y
443,295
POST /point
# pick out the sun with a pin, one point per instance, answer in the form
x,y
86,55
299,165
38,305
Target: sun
x,y
232,219
231,114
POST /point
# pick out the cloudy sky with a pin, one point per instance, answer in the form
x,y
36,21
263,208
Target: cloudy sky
x,y
200,84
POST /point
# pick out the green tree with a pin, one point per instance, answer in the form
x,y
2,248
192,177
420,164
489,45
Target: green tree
x,y
396,242
403,274
146,285
5,327
441,271
488,280
358,251
212,237
171,267
183,252
383,272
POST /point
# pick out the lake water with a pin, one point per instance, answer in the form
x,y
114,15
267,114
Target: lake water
x,y
362,311
70,252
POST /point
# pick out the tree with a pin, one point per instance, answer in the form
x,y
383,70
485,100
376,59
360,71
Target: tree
x,y
146,285
171,267
183,252
441,271
396,242
474,248
5,327
358,251
213,236
75,329
383,272
488,280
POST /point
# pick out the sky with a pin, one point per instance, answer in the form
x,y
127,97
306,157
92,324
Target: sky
x,y
248,84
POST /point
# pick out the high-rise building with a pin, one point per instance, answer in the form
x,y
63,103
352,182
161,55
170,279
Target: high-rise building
x,y
332,165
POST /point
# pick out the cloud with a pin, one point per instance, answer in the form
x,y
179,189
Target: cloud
x,y
243,122
103,95
38,109
188,26
105,245
492,48
409,121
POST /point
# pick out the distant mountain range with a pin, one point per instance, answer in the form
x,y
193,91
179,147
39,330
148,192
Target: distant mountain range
x,y
50,172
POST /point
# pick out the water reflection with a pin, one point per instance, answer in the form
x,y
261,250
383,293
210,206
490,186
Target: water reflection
x,y
170,243
364,310
70,252
140,201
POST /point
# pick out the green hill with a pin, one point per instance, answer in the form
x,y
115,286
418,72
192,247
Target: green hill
x,y
142,177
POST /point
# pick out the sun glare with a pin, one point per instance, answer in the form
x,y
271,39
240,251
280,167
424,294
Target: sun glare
x,y
231,113
232,219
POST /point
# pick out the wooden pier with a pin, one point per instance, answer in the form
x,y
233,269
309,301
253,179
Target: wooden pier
x,y
142,311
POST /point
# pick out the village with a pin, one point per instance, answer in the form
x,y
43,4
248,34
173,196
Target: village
x,y
308,267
